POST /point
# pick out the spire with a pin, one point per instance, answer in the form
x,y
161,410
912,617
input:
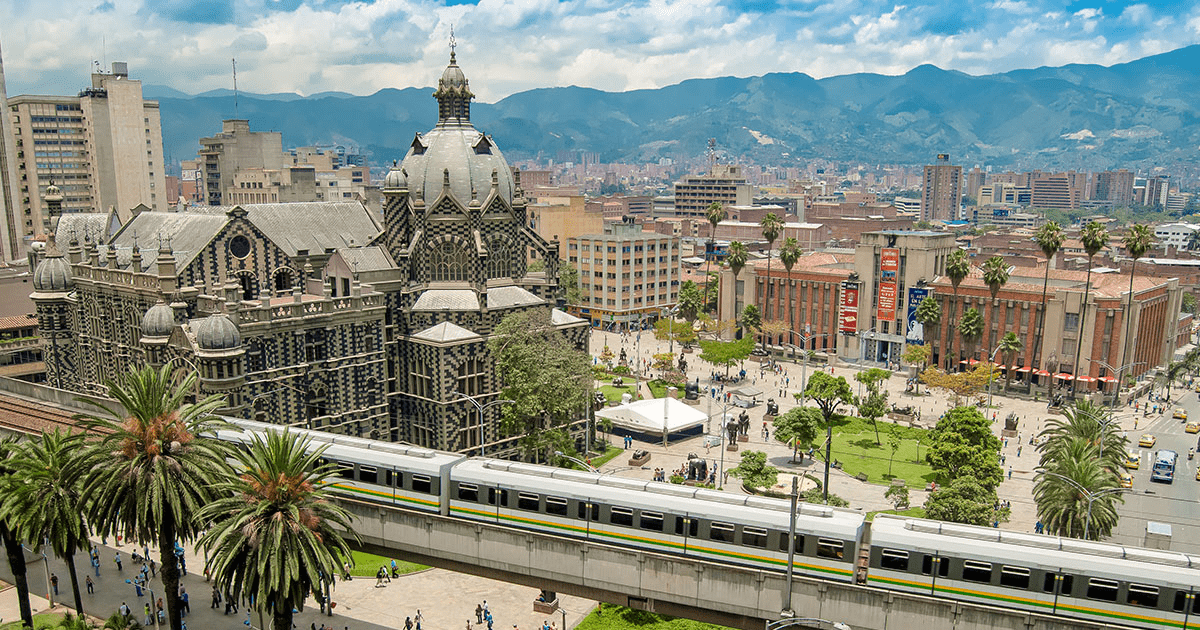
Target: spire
x,y
453,94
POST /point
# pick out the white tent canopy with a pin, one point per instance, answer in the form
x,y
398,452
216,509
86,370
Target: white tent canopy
x,y
652,416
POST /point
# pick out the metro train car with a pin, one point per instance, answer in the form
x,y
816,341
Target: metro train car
x,y
1093,581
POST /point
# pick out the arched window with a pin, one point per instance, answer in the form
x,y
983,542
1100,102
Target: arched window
x,y
283,281
314,402
448,262
249,285
499,258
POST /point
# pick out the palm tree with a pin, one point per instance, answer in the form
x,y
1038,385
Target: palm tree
x,y
957,268
44,505
715,214
1088,422
274,532
1010,347
1137,243
995,275
737,258
1049,238
789,254
12,543
150,473
971,329
1063,495
1094,238
771,227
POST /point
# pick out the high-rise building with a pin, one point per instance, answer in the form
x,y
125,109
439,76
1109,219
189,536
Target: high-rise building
x,y
10,201
976,177
1057,190
725,185
236,147
941,194
1114,186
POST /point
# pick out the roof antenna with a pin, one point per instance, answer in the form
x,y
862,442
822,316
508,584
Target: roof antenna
x,y
235,92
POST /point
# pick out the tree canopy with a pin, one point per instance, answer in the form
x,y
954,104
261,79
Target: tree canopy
x,y
726,353
799,426
962,445
754,471
965,500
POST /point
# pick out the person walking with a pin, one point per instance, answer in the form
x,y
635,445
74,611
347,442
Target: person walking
x,y
96,564
137,585
216,598
183,601
478,613
91,586
117,559
149,619
54,583
124,610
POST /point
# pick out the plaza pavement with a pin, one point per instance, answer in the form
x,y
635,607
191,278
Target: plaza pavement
x,y
447,600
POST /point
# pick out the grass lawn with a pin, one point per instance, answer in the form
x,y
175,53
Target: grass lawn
x,y
613,394
610,453
854,446
658,388
609,617
366,564
40,621
915,512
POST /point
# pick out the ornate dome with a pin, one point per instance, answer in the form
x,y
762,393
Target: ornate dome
x,y
395,179
52,274
454,152
159,321
217,332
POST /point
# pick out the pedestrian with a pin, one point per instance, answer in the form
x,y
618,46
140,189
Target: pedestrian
x,y
117,559
153,567
379,575
478,613
395,569
1010,472
216,599
408,624
183,600
486,612
468,624
159,604
91,586
96,564
124,610
137,585
54,583
489,622
149,619
1018,450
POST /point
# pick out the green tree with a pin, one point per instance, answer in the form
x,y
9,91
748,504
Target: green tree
x,y
829,392
1189,300
771,226
1094,238
965,500
971,329
8,532
737,258
789,255
897,494
715,214
275,535
957,269
150,473
965,384
712,286
545,375
751,320
798,426
1088,422
691,300
1049,237
667,328
1137,242
726,353
755,472
1062,492
929,313
1010,346
568,283
44,505
962,445
873,405
995,276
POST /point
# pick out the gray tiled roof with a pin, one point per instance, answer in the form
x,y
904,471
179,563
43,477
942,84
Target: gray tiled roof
x,y
447,300
445,331
504,297
315,226
562,318
372,258
188,233
80,224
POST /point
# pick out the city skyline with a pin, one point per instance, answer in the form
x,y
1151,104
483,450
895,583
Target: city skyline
x,y
367,46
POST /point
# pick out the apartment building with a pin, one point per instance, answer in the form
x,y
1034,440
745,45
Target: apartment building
x,y
626,275
941,194
725,185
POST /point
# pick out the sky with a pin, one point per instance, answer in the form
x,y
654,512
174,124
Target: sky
x,y
506,46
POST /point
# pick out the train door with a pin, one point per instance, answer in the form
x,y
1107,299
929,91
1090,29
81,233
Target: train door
x,y
935,566
588,512
686,528
1059,586
1189,605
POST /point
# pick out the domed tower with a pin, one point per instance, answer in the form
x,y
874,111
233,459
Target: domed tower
x,y
157,325
221,359
52,287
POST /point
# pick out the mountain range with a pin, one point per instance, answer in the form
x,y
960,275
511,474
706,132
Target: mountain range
x,y
1141,113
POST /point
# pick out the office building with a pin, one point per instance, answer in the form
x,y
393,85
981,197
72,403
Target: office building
x,y
724,185
626,275
234,148
941,193
1114,186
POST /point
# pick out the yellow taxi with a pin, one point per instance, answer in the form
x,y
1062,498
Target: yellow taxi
x,y
1198,474
1180,414
1133,461
1147,441
1192,427
1127,479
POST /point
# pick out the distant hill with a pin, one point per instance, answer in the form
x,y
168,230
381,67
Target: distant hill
x,y
1076,116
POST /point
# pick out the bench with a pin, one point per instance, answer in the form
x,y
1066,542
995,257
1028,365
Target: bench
x,y
862,476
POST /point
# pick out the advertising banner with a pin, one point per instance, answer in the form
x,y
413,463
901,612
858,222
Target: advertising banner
x,y
916,330
848,308
889,270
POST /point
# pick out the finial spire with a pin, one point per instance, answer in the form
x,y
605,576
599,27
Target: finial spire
x,y
452,43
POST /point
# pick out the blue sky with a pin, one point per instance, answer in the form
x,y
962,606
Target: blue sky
x,y
505,46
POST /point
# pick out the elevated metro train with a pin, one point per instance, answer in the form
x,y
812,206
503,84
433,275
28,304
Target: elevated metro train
x,y
1091,581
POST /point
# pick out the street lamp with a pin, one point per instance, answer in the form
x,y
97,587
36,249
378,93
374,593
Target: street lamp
x,y
588,467
1088,495
670,313
480,408
1117,390
992,371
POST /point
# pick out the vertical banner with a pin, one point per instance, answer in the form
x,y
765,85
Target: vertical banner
x,y
848,308
916,330
889,270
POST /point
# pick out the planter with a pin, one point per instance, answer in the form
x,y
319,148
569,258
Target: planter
x,y
732,447
546,608
743,438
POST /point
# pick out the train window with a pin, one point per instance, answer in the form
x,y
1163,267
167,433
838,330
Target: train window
x,y
783,543
943,565
690,525
368,474
977,571
622,516
497,497
393,479
830,548
587,510
720,531
1067,582
894,560
556,505
651,520
754,537
1014,577
422,483
346,471
468,492
1142,595
527,501
1181,599
1104,590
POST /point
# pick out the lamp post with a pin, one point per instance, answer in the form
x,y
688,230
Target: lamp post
x,y
1089,496
670,313
1117,390
992,371
480,408
588,467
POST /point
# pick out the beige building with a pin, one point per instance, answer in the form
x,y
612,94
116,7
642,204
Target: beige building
x,y
236,147
559,219
725,185
941,194
10,201
102,148
626,275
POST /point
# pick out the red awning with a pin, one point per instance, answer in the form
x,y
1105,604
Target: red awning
x,y
963,362
1087,379
1109,379
1063,376
1024,369
1041,372
973,362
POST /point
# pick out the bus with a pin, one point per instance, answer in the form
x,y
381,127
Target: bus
x,y
1164,466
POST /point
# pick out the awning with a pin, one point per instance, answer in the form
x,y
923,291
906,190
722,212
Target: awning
x,y
747,391
1041,372
973,362
1109,379
1087,379
1024,370
653,415
1063,376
